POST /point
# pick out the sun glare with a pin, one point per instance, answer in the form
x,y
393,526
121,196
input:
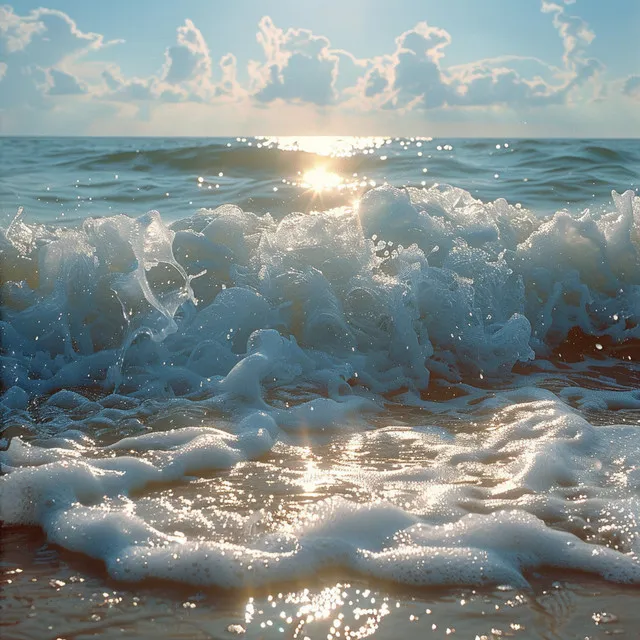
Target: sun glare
x,y
320,179
330,146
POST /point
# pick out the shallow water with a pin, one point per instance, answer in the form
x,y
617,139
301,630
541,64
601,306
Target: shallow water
x,y
426,393
49,593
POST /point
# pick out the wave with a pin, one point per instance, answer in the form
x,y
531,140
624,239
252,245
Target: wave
x,y
411,284
124,339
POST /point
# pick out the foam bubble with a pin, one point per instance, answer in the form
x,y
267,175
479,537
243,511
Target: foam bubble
x,y
138,356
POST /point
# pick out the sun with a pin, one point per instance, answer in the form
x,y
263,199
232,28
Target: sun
x,y
319,179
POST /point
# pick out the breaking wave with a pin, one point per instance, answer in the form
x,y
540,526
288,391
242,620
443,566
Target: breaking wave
x,y
124,340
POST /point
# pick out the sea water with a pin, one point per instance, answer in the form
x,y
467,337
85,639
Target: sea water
x,y
266,365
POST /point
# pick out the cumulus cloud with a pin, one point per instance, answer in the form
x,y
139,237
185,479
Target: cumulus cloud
x,y
376,82
576,37
17,32
64,84
229,85
189,58
489,83
44,53
126,89
186,75
631,87
44,37
35,49
41,49
415,77
298,66
141,90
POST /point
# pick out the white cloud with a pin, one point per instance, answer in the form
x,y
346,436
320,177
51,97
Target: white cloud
x,y
44,37
229,85
299,66
575,33
413,72
414,77
45,66
186,75
576,38
16,32
631,87
126,89
188,63
64,84
37,49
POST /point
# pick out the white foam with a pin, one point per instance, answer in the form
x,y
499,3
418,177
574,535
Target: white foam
x,y
124,341
501,285
602,398
429,533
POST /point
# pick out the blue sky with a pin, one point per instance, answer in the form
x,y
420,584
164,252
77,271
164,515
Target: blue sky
x,y
362,67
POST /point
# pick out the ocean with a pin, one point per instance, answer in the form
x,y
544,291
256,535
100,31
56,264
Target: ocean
x,y
319,387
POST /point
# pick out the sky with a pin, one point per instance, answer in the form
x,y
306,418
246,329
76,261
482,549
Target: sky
x,y
515,68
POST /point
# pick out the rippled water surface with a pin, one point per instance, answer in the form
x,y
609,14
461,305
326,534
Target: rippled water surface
x,y
79,177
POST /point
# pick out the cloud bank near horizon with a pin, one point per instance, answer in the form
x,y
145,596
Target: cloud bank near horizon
x,y
50,82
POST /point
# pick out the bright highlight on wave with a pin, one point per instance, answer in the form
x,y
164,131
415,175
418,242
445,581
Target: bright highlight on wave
x,y
332,146
320,179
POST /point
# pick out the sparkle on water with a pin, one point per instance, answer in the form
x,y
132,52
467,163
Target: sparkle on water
x,y
320,179
332,146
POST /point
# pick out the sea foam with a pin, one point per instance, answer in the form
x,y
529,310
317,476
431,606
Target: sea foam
x,y
138,356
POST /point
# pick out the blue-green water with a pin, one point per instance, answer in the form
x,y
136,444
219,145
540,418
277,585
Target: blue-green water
x,y
68,178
